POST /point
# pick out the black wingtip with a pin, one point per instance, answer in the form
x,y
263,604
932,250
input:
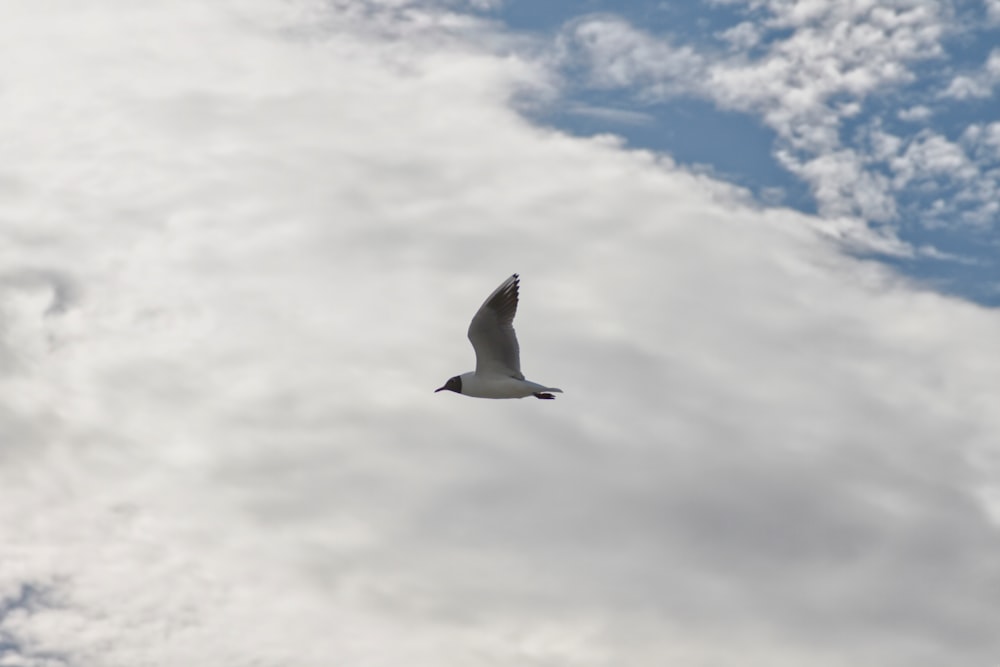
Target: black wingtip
x,y
515,286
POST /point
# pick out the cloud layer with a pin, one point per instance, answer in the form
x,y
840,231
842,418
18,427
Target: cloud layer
x,y
241,245
822,75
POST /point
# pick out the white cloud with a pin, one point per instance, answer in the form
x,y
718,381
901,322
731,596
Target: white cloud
x,y
978,84
993,10
931,155
983,139
803,85
613,115
241,243
842,185
743,36
961,176
915,114
807,68
836,49
617,55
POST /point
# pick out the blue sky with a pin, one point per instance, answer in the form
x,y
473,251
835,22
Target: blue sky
x,y
705,129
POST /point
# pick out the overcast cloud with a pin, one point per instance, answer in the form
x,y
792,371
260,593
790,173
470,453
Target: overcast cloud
x,y
240,243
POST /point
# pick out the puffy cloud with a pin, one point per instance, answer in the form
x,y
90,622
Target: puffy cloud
x,y
932,156
983,139
842,185
977,84
242,245
614,54
743,36
918,113
803,83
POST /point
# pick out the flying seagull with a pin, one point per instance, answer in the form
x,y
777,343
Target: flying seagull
x,y
498,358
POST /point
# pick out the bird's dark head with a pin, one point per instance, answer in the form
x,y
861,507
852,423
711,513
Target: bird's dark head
x,y
454,384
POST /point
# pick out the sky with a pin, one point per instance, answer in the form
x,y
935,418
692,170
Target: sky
x,y
240,244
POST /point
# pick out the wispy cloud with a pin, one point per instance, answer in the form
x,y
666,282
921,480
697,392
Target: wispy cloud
x,y
621,116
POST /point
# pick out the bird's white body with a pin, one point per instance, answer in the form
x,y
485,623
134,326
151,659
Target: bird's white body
x,y
490,385
498,356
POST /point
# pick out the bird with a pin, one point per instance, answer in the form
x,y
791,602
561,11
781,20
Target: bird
x,y
498,357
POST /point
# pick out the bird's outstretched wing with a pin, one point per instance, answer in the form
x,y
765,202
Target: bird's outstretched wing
x,y
492,332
